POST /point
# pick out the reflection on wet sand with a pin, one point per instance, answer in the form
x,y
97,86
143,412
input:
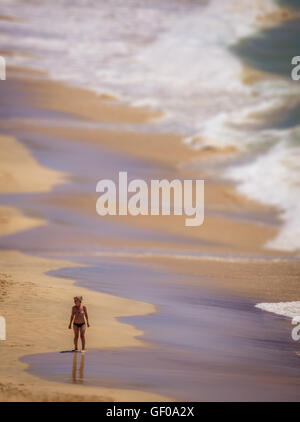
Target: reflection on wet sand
x,y
78,378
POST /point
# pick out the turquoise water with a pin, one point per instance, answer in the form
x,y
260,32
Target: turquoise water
x,y
291,3
271,50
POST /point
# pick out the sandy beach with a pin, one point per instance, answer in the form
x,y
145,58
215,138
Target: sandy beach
x,y
34,303
58,141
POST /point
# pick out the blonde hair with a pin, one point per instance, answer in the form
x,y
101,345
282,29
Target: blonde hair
x,y
80,298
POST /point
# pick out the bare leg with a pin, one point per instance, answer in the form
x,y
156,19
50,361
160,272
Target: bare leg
x,y
82,336
76,334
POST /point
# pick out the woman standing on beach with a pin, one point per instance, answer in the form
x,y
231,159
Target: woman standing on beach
x,y
79,314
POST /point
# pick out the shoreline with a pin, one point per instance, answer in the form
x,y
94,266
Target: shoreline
x,y
49,291
220,197
56,294
165,150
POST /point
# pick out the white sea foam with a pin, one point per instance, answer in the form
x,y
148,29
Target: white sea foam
x,y
273,178
288,309
172,56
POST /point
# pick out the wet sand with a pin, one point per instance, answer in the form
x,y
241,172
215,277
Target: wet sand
x,y
154,272
204,343
30,176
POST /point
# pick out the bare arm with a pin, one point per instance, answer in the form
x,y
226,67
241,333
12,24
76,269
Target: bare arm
x,y
72,316
86,316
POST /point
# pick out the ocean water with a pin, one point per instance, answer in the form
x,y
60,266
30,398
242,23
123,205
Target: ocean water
x,y
185,58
